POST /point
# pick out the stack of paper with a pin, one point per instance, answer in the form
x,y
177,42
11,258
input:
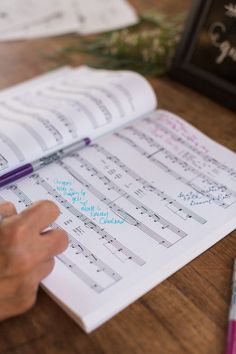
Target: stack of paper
x,y
24,19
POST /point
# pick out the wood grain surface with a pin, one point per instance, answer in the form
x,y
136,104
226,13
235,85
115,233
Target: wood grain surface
x,y
186,314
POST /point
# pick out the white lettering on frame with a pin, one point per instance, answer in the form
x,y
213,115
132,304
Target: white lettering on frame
x,y
227,50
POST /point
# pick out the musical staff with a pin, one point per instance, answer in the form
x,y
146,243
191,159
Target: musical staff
x,y
191,147
66,121
28,128
178,208
100,89
143,209
111,243
183,164
97,265
75,104
43,20
10,143
123,214
3,162
92,98
194,178
35,116
93,259
80,273
22,197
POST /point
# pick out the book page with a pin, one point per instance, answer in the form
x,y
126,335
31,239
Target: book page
x,y
24,19
105,15
137,206
27,19
39,119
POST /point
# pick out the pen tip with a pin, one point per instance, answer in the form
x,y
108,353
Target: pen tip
x,y
87,141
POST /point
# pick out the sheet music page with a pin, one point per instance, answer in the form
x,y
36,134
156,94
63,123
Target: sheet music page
x,y
22,19
105,15
137,206
37,120
27,19
30,83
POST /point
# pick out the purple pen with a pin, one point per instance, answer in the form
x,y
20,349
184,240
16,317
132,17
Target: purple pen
x,y
27,169
231,340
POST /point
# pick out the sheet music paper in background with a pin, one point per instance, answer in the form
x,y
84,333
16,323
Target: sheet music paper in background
x,y
137,206
22,19
104,15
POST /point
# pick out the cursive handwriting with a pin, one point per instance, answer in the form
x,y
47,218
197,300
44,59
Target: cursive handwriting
x,y
231,10
193,198
216,31
80,197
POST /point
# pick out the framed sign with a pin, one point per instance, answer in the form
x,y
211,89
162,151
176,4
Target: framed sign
x,y
206,57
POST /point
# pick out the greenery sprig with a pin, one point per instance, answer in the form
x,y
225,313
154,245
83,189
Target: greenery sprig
x,y
147,47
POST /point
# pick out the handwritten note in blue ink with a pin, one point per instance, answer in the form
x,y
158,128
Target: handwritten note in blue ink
x,y
208,196
80,197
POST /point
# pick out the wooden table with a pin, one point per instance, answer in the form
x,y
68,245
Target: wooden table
x,y
185,314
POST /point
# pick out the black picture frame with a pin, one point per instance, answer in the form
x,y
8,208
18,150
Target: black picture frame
x,y
220,86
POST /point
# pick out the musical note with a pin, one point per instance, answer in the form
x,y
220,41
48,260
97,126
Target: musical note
x,y
99,89
170,203
42,104
81,250
76,104
88,95
10,143
87,221
191,147
22,124
3,162
116,208
194,179
35,116
80,273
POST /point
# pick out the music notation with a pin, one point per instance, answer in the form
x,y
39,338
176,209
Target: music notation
x,y
80,273
178,208
52,18
22,197
40,104
183,164
13,147
125,215
191,147
102,90
3,162
121,193
93,259
191,176
111,243
74,103
92,263
35,116
89,96
30,129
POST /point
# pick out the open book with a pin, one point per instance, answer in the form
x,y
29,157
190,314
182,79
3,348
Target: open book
x,y
149,195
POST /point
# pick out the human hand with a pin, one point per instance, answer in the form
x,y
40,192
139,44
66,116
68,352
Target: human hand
x,y
26,254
